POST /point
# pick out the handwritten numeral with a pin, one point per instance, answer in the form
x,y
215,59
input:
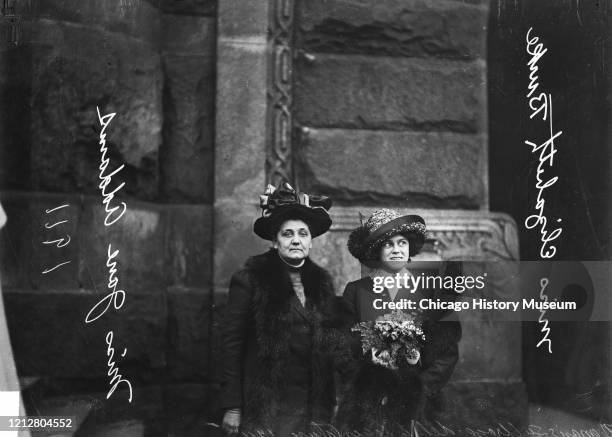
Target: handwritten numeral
x,y
58,242
61,242
57,266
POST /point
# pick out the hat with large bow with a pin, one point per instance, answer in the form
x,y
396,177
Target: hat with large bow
x,y
285,203
366,241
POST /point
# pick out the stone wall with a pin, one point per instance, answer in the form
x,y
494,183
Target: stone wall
x,y
154,65
389,96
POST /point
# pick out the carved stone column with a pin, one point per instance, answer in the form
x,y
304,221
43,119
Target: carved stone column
x,y
279,165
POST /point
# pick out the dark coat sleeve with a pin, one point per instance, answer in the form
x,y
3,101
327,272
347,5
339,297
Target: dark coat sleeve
x,y
442,346
352,342
337,321
349,299
237,316
442,355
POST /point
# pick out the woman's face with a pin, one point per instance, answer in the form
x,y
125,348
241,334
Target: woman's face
x,y
293,241
395,253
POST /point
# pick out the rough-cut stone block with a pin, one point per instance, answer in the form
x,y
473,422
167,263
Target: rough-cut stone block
x,y
186,158
190,7
184,34
50,336
35,241
240,146
137,18
187,350
74,70
416,169
423,28
391,93
138,236
188,245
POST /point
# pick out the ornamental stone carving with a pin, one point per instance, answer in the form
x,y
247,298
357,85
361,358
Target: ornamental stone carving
x,y
279,153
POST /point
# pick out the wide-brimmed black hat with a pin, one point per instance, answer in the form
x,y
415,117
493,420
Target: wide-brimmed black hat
x,y
284,203
365,241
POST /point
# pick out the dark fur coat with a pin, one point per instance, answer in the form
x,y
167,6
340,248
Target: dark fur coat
x,y
278,354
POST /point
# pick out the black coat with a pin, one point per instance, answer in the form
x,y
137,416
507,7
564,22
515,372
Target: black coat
x,y
277,362
375,394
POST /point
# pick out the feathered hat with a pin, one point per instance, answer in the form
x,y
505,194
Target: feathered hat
x,y
285,203
365,241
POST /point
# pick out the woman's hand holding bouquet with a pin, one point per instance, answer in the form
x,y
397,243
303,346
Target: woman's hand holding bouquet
x,y
394,339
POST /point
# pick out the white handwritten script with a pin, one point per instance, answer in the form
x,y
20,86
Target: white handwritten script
x,y
113,372
114,296
58,242
107,198
540,105
541,319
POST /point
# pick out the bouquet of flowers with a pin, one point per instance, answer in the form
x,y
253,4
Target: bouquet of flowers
x,y
393,339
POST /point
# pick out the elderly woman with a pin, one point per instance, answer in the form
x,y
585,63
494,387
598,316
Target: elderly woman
x,y
382,393
278,375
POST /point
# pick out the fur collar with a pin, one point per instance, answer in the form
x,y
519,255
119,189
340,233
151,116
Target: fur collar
x,y
272,293
270,273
